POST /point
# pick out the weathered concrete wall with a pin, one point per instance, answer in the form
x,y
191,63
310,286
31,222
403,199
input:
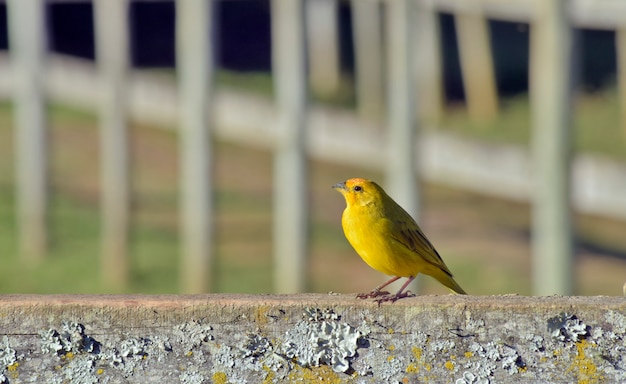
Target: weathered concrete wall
x,y
306,338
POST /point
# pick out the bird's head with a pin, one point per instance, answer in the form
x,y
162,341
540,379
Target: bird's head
x,y
360,192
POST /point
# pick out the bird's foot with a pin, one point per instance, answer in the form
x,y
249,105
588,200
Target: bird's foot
x,y
372,294
392,298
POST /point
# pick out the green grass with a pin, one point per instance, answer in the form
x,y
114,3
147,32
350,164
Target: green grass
x,y
262,83
596,117
72,265
243,211
596,124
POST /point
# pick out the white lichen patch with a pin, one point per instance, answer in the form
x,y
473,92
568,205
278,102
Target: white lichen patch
x,y
470,378
81,370
225,358
444,346
133,347
486,359
329,342
617,321
567,327
8,355
193,334
535,342
130,353
71,338
391,369
316,314
8,358
255,348
258,352
192,377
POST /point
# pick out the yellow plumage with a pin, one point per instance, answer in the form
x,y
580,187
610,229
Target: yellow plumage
x,y
388,239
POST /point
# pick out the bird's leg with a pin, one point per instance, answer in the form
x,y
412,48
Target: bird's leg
x,y
377,291
399,295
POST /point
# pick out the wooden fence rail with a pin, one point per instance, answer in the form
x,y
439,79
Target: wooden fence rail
x,y
407,59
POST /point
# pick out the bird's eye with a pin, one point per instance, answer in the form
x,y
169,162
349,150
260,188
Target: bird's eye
x,y
357,188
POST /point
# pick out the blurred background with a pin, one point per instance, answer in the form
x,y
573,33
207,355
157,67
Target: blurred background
x,y
140,153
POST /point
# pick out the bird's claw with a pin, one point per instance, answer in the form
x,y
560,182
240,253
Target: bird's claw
x,y
372,294
394,297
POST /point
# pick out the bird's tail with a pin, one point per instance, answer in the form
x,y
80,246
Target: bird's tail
x,y
449,282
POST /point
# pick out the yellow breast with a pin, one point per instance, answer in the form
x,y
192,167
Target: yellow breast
x,y
370,238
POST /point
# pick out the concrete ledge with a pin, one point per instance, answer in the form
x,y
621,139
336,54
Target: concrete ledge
x,y
311,337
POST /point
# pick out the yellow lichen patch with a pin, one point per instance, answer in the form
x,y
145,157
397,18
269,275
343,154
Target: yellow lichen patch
x,y
68,356
556,352
260,315
322,373
100,371
189,353
417,352
469,354
390,331
583,366
412,368
449,365
13,370
390,358
270,377
391,347
220,378
415,367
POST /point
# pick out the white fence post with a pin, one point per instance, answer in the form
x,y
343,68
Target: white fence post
x,y
479,82
322,22
368,58
551,83
195,41
27,23
620,49
111,34
401,108
429,64
290,168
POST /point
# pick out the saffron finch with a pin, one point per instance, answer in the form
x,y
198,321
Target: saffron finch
x,y
388,239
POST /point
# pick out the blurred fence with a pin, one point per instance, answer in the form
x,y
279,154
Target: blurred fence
x,y
294,129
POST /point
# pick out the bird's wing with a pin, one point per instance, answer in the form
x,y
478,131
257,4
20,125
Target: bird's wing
x,y
409,234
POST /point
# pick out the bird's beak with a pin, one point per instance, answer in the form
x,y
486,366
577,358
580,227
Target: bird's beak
x,y
340,186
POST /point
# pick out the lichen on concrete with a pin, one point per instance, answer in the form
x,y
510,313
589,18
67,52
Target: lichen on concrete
x,y
322,340
192,377
567,327
192,334
331,338
9,360
80,370
70,338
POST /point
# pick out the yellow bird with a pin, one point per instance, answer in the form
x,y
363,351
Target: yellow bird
x,y
388,239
